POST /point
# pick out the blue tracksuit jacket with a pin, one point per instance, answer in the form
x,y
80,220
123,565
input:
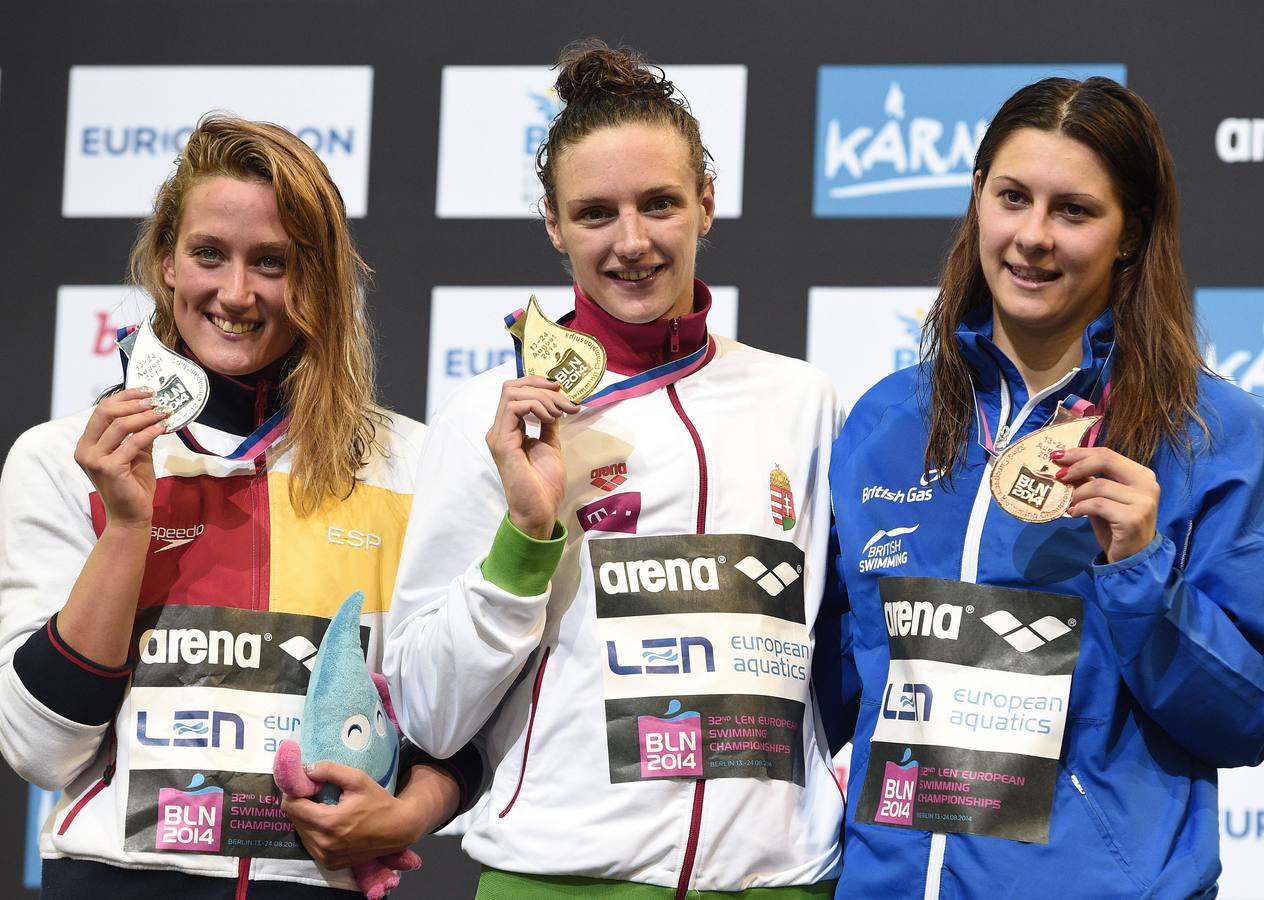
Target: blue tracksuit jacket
x,y
1169,682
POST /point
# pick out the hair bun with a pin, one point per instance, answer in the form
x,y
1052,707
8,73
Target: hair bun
x,y
590,68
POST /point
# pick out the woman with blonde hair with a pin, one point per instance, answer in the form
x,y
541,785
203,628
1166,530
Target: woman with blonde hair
x,y
161,589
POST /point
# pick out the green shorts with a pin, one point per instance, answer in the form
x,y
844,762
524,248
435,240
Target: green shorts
x,y
497,885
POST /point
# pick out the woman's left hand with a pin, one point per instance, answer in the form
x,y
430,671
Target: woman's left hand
x,y
1120,497
365,823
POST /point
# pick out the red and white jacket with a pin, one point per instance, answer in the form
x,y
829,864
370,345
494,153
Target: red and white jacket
x,y
683,604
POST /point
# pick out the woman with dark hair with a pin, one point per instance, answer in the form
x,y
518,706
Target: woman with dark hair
x,y
621,606
162,589
1059,640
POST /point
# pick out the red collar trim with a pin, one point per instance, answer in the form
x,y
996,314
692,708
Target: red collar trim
x,y
632,348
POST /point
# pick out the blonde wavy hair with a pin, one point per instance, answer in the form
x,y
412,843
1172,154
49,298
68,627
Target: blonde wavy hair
x,y
331,385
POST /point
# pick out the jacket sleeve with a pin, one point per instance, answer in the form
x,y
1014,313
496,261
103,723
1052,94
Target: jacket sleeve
x,y
1187,616
835,678
55,704
457,635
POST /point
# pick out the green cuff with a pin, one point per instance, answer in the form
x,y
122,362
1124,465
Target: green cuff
x,y
521,564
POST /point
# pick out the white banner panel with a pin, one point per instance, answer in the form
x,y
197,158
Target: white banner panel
x,y
861,335
1241,833
493,119
85,358
467,329
125,125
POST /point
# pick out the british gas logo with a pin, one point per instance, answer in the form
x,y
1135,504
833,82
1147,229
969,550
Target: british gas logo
x,y
901,140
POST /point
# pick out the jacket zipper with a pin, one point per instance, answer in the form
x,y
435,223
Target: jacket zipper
x,y
106,777
970,563
526,744
699,786
243,878
262,528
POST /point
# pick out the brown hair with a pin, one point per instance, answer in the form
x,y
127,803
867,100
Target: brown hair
x,y
1156,362
331,383
603,87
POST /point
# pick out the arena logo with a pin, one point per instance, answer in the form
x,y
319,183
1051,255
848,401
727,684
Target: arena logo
x,y
467,328
861,335
901,140
493,119
1232,324
1240,140
126,124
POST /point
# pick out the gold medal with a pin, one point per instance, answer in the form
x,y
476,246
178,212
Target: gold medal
x,y
1022,478
574,360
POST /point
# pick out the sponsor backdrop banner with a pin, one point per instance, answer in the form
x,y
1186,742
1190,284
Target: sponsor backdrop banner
x,y
842,137
125,125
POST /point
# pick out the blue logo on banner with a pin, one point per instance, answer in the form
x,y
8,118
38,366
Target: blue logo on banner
x,y
899,141
1232,321
38,806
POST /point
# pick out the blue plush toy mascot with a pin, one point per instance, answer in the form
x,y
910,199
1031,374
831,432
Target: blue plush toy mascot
x,y
347,719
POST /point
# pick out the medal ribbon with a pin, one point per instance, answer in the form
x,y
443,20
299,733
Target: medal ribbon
x,y
636,385
255,445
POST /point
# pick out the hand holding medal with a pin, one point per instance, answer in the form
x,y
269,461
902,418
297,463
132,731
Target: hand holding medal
x,y
559,367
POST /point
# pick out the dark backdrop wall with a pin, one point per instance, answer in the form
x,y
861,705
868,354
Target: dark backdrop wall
x,y
1197,64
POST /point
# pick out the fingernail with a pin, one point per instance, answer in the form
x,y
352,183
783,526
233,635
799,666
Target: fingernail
x,y
149,401
307,768
1061,474
1057,454
1070,510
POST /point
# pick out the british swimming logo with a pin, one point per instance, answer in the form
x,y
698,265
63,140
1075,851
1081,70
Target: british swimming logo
x,y
901,140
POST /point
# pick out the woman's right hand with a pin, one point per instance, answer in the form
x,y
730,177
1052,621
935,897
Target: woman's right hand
x,y
532,470
115,451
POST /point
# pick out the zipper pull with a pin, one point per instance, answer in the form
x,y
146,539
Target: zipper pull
x,y
1079,787
675,335
1002,437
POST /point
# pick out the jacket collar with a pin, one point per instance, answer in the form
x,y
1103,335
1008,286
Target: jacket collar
x,y
632,348
990,364
238,404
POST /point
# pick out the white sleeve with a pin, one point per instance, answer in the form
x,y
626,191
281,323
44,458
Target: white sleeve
x,y
455,641
46,535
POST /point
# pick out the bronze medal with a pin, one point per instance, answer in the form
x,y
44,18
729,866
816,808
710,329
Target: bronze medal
x,y
1023,480
575,360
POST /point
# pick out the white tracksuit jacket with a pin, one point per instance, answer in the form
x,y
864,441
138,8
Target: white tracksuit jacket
x,y
675,595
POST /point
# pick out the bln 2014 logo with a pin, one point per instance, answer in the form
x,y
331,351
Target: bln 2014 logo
x,y
900,140
190,818
899,787
671,745
1232,321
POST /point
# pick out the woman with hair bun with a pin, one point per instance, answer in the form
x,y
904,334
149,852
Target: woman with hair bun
x,y
620,606
1060,641
161,588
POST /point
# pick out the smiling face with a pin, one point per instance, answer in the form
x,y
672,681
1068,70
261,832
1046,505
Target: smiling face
x,y
1051,228
629,217
228,274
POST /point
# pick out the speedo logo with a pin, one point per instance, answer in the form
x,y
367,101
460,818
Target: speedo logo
x,y
923,618
193,646
655,575
609,477
174,537
774,580
1025,638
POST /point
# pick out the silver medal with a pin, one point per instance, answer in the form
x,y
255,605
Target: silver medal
x,y
178,384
